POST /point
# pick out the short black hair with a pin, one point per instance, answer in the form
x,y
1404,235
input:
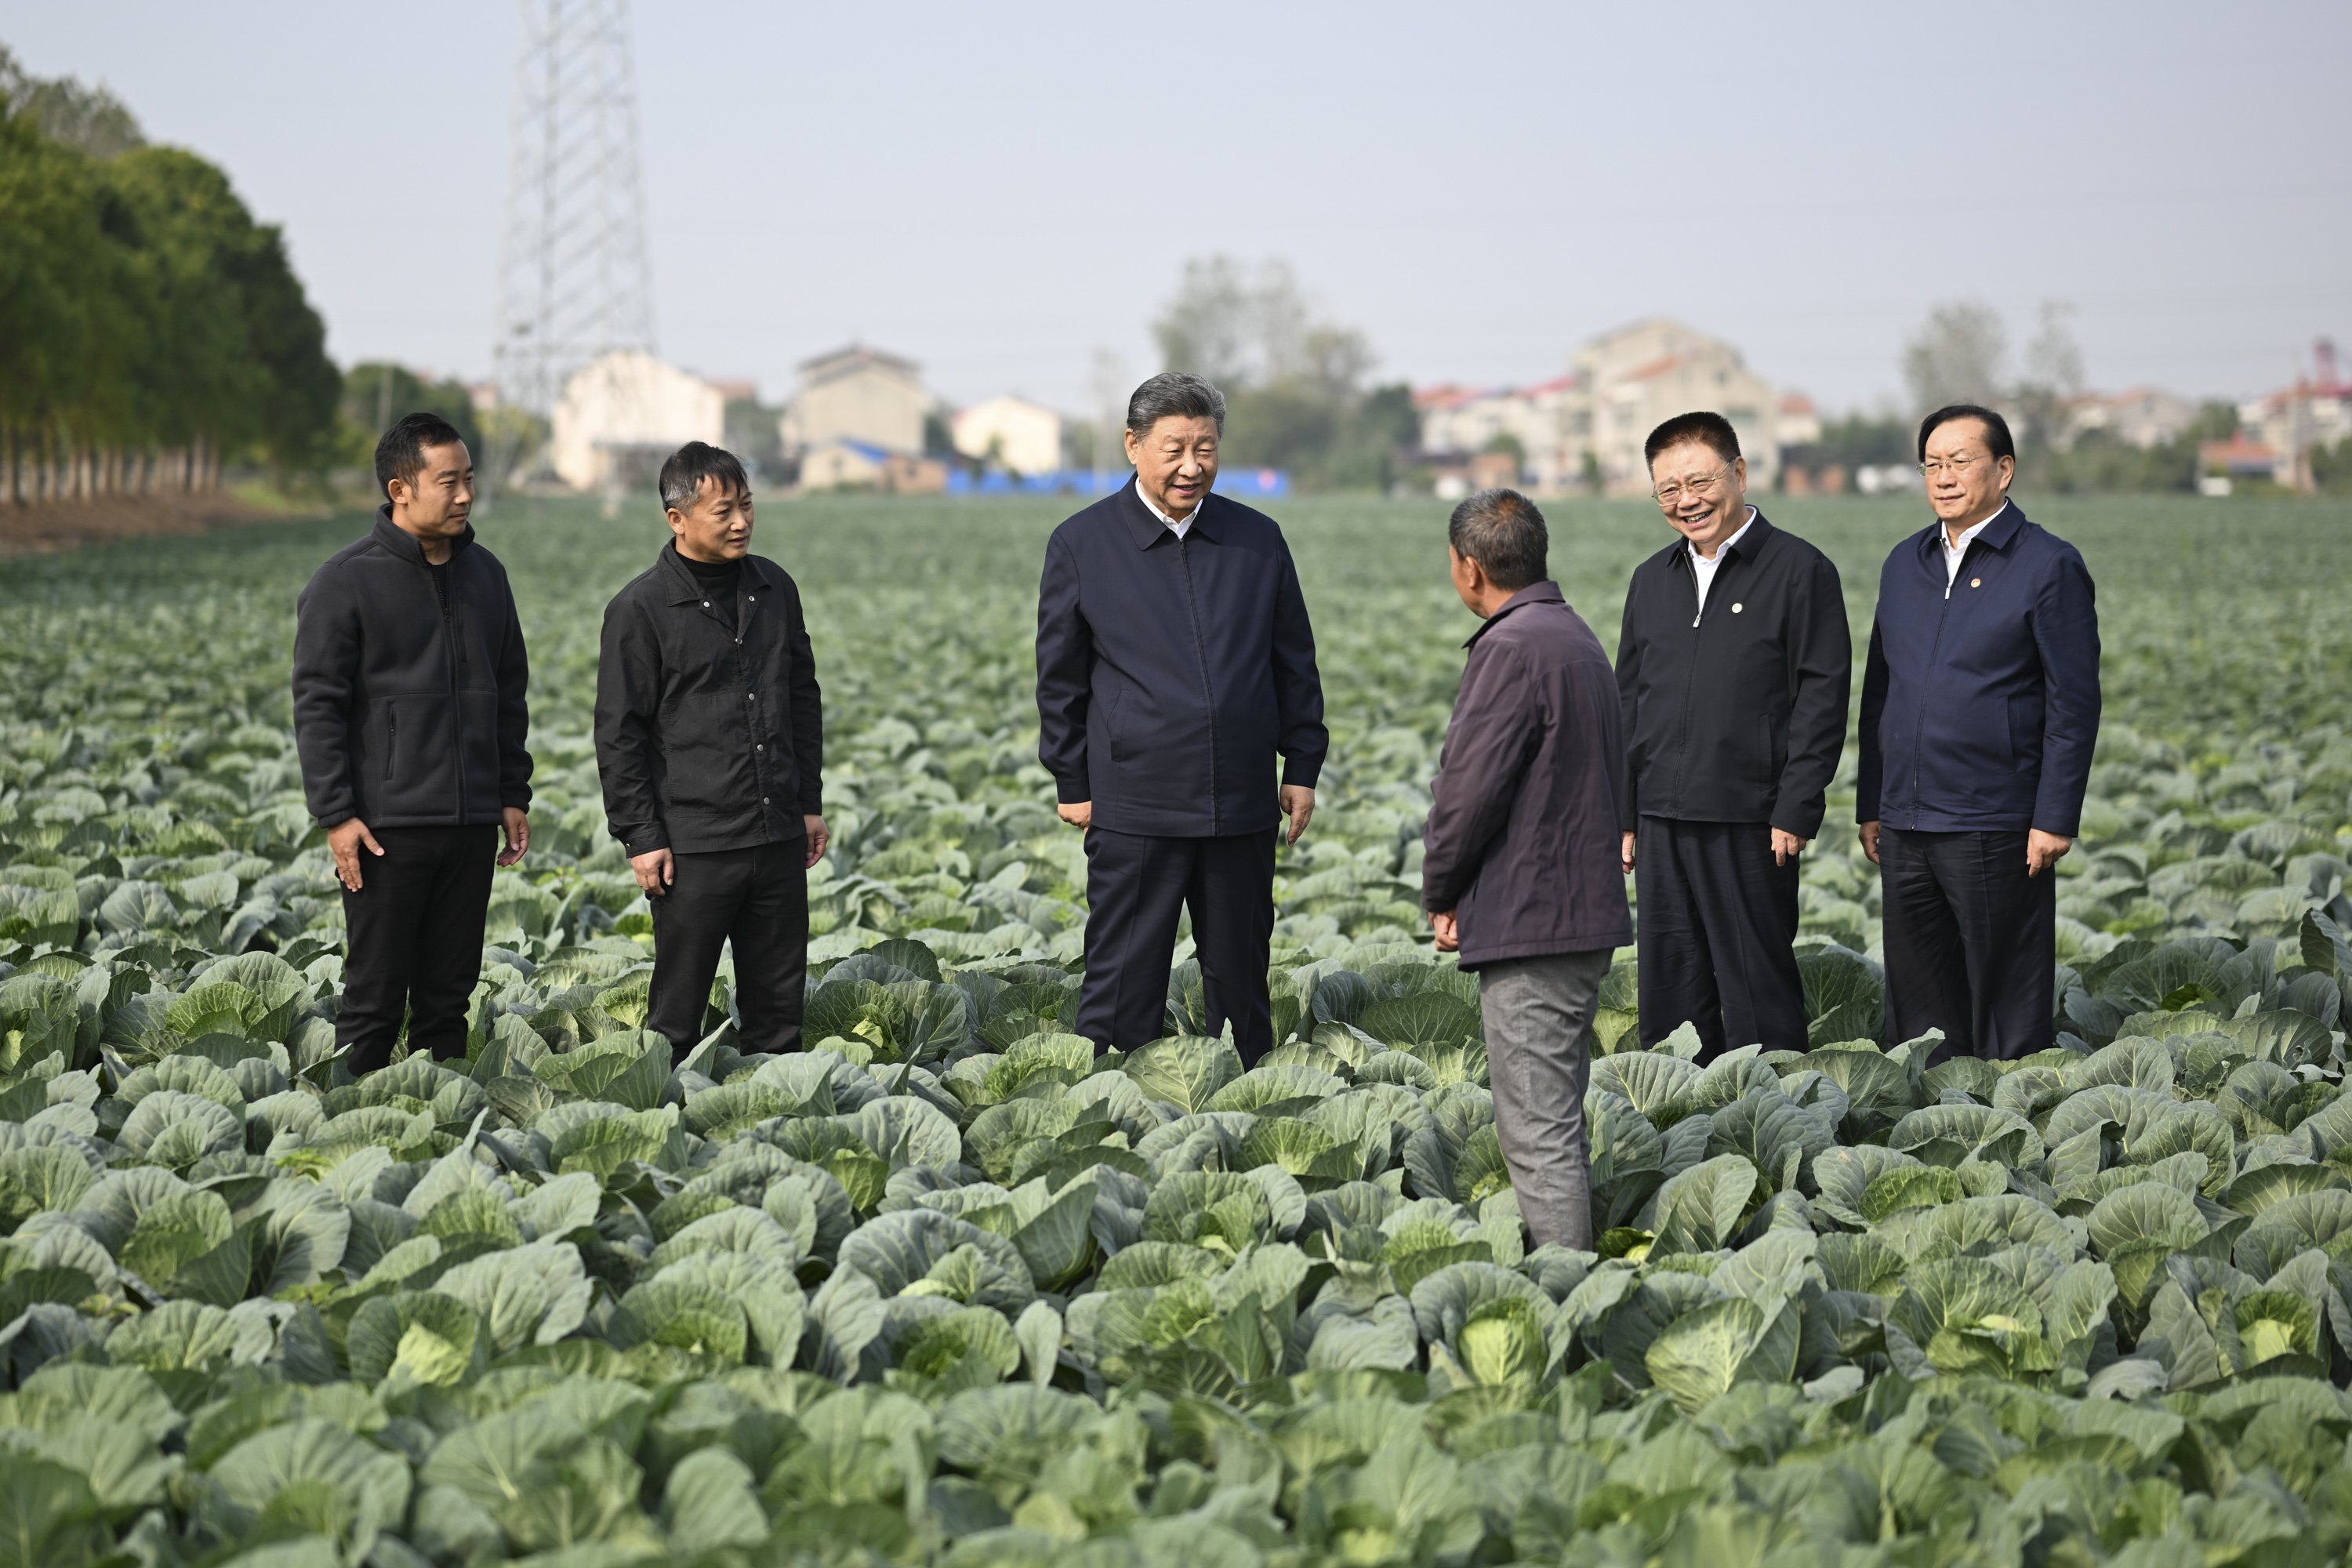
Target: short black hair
x,y
400,455
682,475
1503,533
1175,394
1710,429
1997,435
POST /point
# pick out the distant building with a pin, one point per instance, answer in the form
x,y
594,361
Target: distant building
x,y
858,394
844,465
1458,422
1799,424
1011,433
625,411
2144,416
1636,379
2317,411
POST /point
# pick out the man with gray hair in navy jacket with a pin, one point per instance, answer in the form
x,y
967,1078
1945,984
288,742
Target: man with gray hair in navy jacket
x,y
1174,664
1980,708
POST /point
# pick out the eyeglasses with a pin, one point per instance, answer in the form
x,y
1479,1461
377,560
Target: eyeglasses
x,y
1937,467
1703,490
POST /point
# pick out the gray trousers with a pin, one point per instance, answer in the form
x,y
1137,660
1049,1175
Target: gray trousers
x,y
1538,1016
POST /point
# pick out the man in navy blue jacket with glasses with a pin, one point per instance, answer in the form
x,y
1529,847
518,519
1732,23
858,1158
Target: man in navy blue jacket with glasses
x,y
1979,710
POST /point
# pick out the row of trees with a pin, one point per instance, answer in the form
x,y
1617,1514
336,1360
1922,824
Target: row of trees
x,y
150,328
1296,386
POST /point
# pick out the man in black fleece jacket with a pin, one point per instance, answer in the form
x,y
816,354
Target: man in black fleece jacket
x,y
410,713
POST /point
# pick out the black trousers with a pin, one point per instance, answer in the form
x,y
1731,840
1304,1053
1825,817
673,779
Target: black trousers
x,y
1971,942
414,934
1135,885
756,897
1717,918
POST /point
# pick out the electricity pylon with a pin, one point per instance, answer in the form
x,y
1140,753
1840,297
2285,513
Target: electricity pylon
x,y
574,279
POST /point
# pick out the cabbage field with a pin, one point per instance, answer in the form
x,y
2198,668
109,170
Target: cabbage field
x,y
947,1289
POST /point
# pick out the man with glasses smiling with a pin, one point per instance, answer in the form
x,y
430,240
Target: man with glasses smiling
x,y
1733,669
1979,707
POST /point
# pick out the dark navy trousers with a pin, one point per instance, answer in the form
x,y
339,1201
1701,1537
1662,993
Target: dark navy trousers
x,y
1971,942
1136,885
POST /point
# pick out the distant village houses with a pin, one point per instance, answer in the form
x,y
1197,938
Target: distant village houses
x,y
856,422
1586,430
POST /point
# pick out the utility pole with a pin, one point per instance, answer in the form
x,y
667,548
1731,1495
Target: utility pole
x,y
574,281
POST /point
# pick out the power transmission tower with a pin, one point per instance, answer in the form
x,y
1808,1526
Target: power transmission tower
x,y
574,279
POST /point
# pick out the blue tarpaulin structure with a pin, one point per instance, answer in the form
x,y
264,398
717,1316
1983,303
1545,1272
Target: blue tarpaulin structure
x,y
1252,484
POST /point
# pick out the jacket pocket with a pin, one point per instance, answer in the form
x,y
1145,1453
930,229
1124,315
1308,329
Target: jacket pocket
x,y
391,738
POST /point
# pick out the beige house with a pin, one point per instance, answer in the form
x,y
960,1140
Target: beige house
x,y
624,409
858,393
1013,433
840,465
2145,417
1634,380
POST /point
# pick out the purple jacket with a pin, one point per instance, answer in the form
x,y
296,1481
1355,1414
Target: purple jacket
x,y
1522,842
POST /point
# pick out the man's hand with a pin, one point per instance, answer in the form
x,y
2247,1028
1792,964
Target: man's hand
x,y
517,823
345,839
1298,804
2043,850
1870,840
1786,846
1078,813
655,871
1449,931
1625,853
819,835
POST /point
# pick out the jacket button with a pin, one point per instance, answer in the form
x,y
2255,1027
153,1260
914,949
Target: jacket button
x,y
758,748
706,603
764,800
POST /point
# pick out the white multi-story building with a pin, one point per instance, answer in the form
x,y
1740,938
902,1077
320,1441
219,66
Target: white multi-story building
x,y
624,410
1014,433
1637,378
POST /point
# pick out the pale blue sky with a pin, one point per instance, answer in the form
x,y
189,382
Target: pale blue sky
x,y
997,190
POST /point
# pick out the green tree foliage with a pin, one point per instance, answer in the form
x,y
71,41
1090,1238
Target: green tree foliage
x,y
149,326
1294,385
375,394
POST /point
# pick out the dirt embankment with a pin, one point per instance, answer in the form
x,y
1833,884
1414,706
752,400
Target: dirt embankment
x,y
66,525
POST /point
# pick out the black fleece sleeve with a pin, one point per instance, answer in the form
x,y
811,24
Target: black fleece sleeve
x,y
326,677
628,701
808,711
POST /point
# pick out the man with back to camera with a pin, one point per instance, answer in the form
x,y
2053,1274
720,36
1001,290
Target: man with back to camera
x,y
1979,710
710,747
1174,662
1520,873
410,712
1734,665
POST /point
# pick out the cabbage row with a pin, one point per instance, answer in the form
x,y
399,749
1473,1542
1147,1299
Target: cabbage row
x,y
947,1287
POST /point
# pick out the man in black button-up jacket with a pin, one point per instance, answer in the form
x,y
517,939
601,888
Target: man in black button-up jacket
x,y
1734,666
410,713
711,745
1174,661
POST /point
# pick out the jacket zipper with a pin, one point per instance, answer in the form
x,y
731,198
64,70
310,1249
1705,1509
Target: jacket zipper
x,y
392,742
449,662
1208,692
1918,734
1690,685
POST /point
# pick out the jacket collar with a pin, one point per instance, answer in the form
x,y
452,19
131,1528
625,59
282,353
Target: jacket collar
x,y
1998,530
1148,531
684,589
1759,532
1533,593
406,545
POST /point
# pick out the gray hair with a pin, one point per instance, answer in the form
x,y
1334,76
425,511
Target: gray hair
x,y
1175,394
1503,533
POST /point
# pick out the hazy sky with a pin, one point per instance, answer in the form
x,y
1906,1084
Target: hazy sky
x,y
998,190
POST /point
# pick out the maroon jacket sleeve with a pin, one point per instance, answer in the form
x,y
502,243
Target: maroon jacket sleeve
x,y
1494,730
